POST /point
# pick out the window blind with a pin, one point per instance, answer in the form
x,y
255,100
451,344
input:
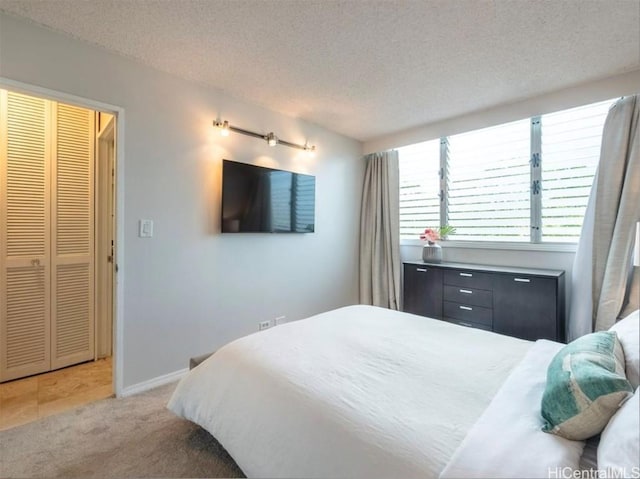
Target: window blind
x,y
488,177
570,153
304,192
419,188
491,176
278,185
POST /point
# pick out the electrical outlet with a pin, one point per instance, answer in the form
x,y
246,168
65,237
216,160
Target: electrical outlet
x,y
280,320
264,325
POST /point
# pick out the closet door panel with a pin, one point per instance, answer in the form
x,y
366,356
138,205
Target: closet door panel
x,y
27,322
24,235
73,230
74,315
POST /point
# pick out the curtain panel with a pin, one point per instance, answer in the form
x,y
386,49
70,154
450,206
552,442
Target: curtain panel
x,y
380,232
602,267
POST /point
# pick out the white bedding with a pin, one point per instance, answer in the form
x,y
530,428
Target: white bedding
x,y
507,441
356,392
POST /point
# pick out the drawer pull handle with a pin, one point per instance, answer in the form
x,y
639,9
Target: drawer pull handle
x,y
462,323
522,280
466,308
422,270
466,291
466,275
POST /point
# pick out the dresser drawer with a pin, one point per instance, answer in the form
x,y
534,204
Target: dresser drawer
x,y
422,290
472,296
469,324
468,279
527,307
470,313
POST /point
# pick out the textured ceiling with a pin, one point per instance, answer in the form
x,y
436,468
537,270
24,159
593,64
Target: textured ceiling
x,y
363,68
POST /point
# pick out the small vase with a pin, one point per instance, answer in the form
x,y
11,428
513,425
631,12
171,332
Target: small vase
x,y
432,253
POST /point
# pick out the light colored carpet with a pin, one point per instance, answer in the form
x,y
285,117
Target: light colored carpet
x,y
131,437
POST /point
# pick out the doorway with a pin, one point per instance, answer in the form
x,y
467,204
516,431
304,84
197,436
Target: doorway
x,y
57,243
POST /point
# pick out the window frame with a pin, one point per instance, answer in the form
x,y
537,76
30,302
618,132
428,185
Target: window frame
x,y
535,242
564,247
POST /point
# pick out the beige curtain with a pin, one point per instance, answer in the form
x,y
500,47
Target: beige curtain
x,y
380,232
617,210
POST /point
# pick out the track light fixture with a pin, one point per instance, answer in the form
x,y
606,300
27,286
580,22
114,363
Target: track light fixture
x,y
270,138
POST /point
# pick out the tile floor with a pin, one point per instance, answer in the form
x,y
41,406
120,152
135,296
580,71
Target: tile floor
x,y
25,400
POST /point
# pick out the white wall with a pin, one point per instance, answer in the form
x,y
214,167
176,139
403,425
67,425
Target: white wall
x,y
612,87
527,259
188,290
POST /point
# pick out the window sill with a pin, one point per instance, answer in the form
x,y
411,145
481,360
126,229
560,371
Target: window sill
x,y
498,245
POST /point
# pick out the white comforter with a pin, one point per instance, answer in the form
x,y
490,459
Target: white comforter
x,y
356,392
507,441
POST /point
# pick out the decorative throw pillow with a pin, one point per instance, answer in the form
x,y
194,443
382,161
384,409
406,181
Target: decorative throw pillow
x,y
619,448
586,384
628,331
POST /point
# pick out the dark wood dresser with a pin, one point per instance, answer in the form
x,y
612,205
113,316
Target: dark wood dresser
x,y
519,302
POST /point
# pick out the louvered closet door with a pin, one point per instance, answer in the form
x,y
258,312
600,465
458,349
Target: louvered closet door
x,y
72,311
24,236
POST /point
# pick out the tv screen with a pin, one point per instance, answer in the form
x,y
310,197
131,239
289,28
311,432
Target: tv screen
x,y
263,200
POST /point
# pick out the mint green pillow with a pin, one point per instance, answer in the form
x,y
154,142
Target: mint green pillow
x,y
586,384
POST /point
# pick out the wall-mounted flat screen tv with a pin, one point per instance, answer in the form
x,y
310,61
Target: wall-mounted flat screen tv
x,y
263,200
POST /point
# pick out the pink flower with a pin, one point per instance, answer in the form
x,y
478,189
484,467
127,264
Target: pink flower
x,y
430,235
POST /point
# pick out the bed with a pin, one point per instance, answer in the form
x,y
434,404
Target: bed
x,y
368,392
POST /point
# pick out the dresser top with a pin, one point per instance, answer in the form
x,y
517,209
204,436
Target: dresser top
x,y
491,269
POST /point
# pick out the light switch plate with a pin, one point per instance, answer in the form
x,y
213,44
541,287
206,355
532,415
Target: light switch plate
x,y
145,228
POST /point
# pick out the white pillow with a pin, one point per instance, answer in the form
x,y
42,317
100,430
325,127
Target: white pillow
x,y
619,447
628,331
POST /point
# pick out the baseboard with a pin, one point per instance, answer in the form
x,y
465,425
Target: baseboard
x,y
154,383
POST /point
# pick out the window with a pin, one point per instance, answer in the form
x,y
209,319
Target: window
x,y
525,181
419,187
570,154
488,178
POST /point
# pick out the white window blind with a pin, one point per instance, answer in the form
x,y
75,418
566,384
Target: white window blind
x,y
488,178
304,187
570,153
279,189
528,180
419,188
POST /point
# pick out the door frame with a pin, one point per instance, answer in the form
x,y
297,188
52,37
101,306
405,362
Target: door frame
x,y
105,207
118,287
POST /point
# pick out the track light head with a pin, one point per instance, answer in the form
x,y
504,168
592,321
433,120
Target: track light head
x,y
310,150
